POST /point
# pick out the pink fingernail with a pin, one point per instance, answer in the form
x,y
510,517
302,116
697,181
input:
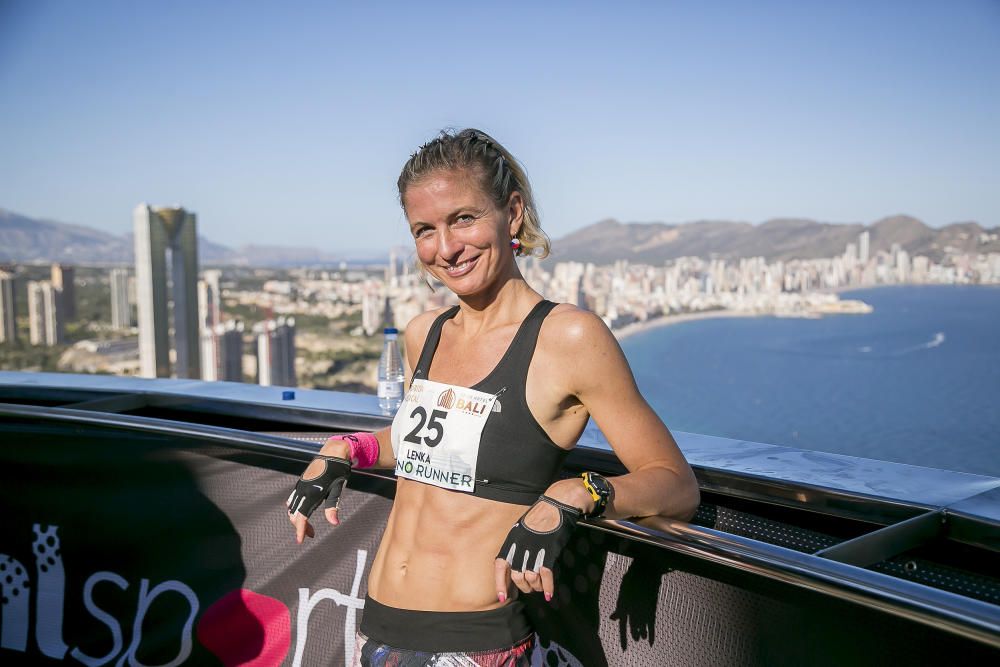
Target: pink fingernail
x,y
548,597
502,597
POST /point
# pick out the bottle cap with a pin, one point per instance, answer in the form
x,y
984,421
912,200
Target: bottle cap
x,y
288,395
390,330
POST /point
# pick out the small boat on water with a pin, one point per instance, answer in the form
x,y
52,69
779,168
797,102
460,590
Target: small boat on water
x,y
142,525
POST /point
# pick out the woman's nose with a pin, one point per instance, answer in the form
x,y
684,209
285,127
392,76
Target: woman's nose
x,y
449,246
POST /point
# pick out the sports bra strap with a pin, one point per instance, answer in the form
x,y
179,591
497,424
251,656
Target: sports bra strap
x,y
517,355
431,343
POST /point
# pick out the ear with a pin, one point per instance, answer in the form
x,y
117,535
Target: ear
x,y
515,212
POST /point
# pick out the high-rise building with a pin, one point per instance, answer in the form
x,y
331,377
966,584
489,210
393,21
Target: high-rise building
x,y
121,305
8,325
209,299
864,239
45,319
222,352
64,280
276,352
159,231
372,308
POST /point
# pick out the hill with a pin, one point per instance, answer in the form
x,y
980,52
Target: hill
x,y
607,241
25,239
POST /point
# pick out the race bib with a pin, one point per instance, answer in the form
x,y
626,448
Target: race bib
x,y
436,434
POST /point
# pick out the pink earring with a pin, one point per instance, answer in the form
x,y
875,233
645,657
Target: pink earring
x,y
515,245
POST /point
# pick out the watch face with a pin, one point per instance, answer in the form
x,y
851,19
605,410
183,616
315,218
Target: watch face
x,y
600,484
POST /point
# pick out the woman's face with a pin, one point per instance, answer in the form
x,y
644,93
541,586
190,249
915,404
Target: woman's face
x,y
461,236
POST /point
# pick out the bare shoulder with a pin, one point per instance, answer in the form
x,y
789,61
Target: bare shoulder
x,y
580,348
574,329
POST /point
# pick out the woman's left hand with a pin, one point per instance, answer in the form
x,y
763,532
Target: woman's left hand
x,y
534,543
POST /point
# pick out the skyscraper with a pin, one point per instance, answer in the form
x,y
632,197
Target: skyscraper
x,y
121,307
209,299
64,280
8,325
372,307
157,232
276,352
864,240
45,318
222,352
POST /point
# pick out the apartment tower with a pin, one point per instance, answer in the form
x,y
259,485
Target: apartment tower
x,y
8,325
121,306
45,317
64,280
159,232
222,352
276,352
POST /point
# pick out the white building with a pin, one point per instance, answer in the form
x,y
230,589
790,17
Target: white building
x,y
276,352
209,299
121,305
45,318
222,352
8,324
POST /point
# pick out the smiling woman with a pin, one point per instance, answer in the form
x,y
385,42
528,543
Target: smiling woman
x,y
502,388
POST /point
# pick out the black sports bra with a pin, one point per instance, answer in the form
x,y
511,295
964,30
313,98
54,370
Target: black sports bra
x,y
517,459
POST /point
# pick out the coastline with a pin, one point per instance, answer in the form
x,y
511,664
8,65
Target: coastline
x,y
668,320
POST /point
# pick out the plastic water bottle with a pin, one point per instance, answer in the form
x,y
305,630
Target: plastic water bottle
x,y
390,374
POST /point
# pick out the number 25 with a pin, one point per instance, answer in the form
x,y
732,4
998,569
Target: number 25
x,y
432,425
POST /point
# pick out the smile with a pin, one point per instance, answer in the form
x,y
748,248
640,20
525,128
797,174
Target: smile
x,y
460,269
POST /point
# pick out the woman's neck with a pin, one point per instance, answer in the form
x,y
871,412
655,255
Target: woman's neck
x,y
507,303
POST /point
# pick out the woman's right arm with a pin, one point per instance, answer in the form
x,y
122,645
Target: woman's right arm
x,y
341,448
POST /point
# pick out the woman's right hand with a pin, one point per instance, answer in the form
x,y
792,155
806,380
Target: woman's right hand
x,y
324,479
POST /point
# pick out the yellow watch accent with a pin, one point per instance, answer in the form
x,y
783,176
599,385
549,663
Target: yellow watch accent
x,y
590,487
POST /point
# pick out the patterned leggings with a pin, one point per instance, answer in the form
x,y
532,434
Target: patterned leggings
x,y
371,653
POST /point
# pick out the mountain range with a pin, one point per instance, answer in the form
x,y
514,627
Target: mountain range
x,y
609,240
25,239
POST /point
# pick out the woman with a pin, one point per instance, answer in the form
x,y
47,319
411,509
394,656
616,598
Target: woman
x,y
502,386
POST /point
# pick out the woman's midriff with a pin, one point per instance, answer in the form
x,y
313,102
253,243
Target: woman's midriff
x,y
439,549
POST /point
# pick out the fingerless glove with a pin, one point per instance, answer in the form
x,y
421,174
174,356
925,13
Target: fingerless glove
x,y
530,550
328,485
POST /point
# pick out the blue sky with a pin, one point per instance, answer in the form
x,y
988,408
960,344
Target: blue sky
x,y
287,123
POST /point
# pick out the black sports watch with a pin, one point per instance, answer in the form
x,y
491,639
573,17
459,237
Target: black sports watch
x,y
600,490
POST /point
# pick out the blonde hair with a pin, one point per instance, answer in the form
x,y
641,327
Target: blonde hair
x,y
499,174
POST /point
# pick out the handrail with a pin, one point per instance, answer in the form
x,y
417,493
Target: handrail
x,y
953,613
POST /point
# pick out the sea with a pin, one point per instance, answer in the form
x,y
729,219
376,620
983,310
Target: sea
x,y
916,381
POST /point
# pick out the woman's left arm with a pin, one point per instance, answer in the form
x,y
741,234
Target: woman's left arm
x,y
588,364
659,481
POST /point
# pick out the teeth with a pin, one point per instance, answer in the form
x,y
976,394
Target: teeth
x,y
458,267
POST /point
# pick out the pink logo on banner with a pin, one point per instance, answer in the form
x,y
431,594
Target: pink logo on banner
x,y
246,628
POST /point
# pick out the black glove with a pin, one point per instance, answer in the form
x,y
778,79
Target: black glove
x,y
528,550
329,484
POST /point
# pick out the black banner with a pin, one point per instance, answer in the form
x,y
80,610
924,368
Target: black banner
x,y
131,549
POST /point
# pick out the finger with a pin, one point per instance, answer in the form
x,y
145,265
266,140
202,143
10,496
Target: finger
x,y
518,579
533,580
300,527
332,516
501,577
548,583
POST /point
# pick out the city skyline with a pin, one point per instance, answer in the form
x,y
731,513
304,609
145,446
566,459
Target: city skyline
x,y
641,113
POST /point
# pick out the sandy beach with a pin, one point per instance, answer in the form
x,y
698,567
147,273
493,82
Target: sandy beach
x,y
638,327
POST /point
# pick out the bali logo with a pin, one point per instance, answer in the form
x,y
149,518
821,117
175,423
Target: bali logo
x,y
447,399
